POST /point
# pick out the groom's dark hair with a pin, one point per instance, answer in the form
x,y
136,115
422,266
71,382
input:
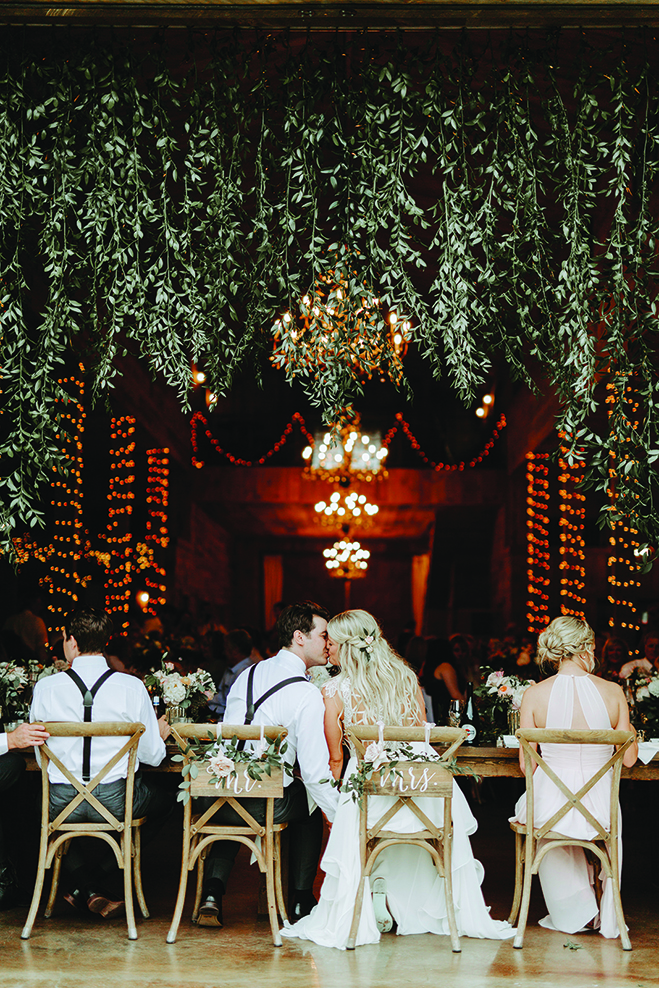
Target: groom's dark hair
x,y
298,617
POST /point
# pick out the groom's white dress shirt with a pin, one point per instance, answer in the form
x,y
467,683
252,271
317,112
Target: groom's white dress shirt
x,y
121,697
300,709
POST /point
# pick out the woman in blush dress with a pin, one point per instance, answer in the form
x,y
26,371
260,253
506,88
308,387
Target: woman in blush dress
x,y
573,698
376,685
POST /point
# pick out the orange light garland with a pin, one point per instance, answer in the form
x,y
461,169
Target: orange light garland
x,y
198,417
572,549
537,541
157,536
623,562
120,508
63,580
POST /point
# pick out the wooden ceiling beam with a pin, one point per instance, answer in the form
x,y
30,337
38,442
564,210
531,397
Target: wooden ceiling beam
x,y
326,14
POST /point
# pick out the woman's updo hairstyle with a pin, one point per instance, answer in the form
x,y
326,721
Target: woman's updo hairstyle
x,y
565,638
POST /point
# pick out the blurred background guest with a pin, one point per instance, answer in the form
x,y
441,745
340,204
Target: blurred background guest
x,y
238,647
440,678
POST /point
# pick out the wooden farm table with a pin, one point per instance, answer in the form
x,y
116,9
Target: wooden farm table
x,y
487,761
490,762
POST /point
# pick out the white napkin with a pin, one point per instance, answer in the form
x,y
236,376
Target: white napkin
x,y
510,741
647,750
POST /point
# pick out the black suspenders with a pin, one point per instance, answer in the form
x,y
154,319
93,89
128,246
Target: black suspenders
x,y
252,706
88,702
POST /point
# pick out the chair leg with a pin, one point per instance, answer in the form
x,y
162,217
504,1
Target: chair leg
x,y
518,942
281,905
200,885
126,842
182,888
54,883
617,902
357,913
137,870
38,888
448,893
519,877
270,886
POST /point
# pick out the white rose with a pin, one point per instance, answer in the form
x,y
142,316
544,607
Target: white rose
x,y
642,693
376,754
220,765
653,686
174,692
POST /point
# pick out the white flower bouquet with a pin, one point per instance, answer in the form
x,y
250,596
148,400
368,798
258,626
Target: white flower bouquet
x,y
646,704
14,680
189,692
499,696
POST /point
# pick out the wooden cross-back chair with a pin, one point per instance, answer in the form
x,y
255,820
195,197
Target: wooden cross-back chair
x,y
122,834
410,779
199,832
603,847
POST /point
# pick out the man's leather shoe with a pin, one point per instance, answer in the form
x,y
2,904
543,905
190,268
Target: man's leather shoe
x,y
303,902
100,905
210,911
8,888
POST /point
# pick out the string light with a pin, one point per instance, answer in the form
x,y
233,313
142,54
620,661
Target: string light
x,y
537,541
198,418
623,563
571,523
63,580
157,536
120,508
236,460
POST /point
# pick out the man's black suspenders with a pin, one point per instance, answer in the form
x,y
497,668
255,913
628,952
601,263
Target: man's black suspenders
x,y
88,701
252,706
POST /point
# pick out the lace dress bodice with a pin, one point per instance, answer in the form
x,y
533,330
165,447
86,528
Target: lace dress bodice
x,y
354,712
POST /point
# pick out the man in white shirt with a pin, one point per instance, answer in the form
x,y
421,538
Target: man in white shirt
x,y
12,768
298,706
116,697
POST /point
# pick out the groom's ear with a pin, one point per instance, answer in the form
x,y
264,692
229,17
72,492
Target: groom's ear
x,y
298,637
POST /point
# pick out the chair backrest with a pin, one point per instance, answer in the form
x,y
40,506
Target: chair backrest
x,y
85,792
529,737
270,785
410,778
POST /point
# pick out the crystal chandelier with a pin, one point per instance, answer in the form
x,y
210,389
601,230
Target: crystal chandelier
x,y
347,560
349,509
356,455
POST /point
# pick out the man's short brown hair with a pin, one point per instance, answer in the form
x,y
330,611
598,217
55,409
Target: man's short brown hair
x,y
92,629
298,617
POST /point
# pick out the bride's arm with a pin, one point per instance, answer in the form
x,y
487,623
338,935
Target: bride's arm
x,y
334,732
630,756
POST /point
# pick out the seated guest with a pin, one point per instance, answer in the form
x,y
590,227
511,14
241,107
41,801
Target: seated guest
x,y
573,699
238,650
12,768
86,871
649,662
24,635
440,678
615,655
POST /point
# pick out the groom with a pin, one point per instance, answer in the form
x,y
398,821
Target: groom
x,y
281,694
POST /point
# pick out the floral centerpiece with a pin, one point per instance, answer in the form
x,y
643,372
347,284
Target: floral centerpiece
x,y
499,701
223,761
14,696
645,703
184,694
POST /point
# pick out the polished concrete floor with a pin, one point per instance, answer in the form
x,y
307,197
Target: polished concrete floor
x,y
69,950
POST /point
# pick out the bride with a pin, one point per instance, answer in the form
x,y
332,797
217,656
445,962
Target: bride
x,y
573,698
375,685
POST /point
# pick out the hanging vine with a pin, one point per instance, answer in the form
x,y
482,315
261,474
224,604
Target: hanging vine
x,y
174,198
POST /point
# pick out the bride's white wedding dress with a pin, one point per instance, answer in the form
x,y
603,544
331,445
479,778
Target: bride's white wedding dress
x,y
565,875
415,893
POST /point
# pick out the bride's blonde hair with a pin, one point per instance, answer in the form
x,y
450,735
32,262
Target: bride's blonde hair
x,y
384,683
565,638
